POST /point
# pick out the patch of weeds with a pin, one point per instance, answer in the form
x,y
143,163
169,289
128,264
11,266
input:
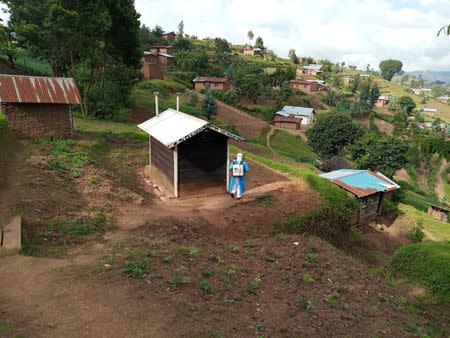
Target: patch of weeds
x,y
219,334
415,235
209,272
206,286
245,270
232,270
187,308
137,265
307,278
413,328
168,259
235,249
188,252
179,278
254,285
250,244
279,236
66,157
265,201
219,260
305,304
309,258
312,246
320,271
333,302
285,277
227,300
355,235
94,180
227,283
259,328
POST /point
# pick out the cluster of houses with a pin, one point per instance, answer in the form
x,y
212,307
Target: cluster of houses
x,y
425,91
155,61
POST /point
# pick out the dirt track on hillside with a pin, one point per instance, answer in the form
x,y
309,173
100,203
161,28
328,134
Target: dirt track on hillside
x,y
440,189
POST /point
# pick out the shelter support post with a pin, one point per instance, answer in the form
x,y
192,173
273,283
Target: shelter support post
x,y
228,165
175,171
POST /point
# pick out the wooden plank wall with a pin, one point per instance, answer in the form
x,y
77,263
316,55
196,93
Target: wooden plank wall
x,y
162,158
370,205
202,159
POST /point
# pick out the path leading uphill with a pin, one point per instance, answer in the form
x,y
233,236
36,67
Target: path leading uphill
x,y
440,190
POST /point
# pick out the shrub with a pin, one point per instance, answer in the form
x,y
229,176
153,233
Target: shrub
x,y
230,97
203,91
193,100
3,121
355,235
427,264
415,235
137,265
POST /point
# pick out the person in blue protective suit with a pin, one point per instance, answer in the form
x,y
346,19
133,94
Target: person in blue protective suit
x,y
238,168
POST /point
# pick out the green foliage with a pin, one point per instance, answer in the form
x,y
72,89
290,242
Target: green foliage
x,y
66,156
427,264
179,278
406,104
379,153
254,285
259,43
415,235
292,147
97,42
193,100
209,105
137,265
250,86
3,122
389,68
388,207
206,286
230,97
181,44
194,60
332,132
283,96
355,235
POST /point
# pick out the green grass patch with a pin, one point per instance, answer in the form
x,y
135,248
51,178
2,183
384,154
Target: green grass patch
x,y
426,264
110,129
387,207
434,226
3,122
67,156
292,147
262,138
32,64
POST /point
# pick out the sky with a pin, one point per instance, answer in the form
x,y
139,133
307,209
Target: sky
x,y
358,32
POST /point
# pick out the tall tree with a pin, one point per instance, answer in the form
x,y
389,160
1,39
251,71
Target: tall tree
x,y
293,56
259,43
389,68
406,104
97,42
250,36
181,29
209,105
332,132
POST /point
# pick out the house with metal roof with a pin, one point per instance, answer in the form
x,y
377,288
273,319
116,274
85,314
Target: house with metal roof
x,y
155,61
313,69
187,155
382,101
38,107
305,113
249,50
367,186
212,82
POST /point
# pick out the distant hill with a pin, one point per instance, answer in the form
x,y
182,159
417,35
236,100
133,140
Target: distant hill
x,y
430,75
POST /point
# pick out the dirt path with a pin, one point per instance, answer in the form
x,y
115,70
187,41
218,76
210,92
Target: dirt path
x,y
268,140
440,190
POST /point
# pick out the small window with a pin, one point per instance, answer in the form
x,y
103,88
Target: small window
x,y
216,84
205,85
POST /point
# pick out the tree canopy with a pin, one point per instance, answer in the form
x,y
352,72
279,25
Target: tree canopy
x,y
259,43
389,68
97,42
406,104
378,152
209,105
332,132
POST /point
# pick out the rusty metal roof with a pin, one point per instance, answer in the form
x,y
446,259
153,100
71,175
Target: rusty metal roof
x,y
38,89
209,79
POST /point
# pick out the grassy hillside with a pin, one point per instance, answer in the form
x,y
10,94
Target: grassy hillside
x,y
292,147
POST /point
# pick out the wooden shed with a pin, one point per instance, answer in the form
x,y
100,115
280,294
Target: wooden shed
x,y
367,186
438,212
187,155
38,107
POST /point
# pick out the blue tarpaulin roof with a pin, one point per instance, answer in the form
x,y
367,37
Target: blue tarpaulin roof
x,y
361,182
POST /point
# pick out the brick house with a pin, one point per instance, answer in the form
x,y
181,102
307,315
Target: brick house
x,y
438,212
308,86
249,50
347,79
304,114
444,99
287,122
170,36
156,61
302,59
39,107
161,49
204,82
314,70
382,101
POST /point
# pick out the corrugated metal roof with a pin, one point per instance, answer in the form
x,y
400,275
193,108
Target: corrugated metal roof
x,y
383,97
38,89
361,182
172,127
166,55
313,67
301,111
210,79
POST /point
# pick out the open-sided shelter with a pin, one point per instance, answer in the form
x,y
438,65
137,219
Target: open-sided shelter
x,y
188,155
367,186
38,107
